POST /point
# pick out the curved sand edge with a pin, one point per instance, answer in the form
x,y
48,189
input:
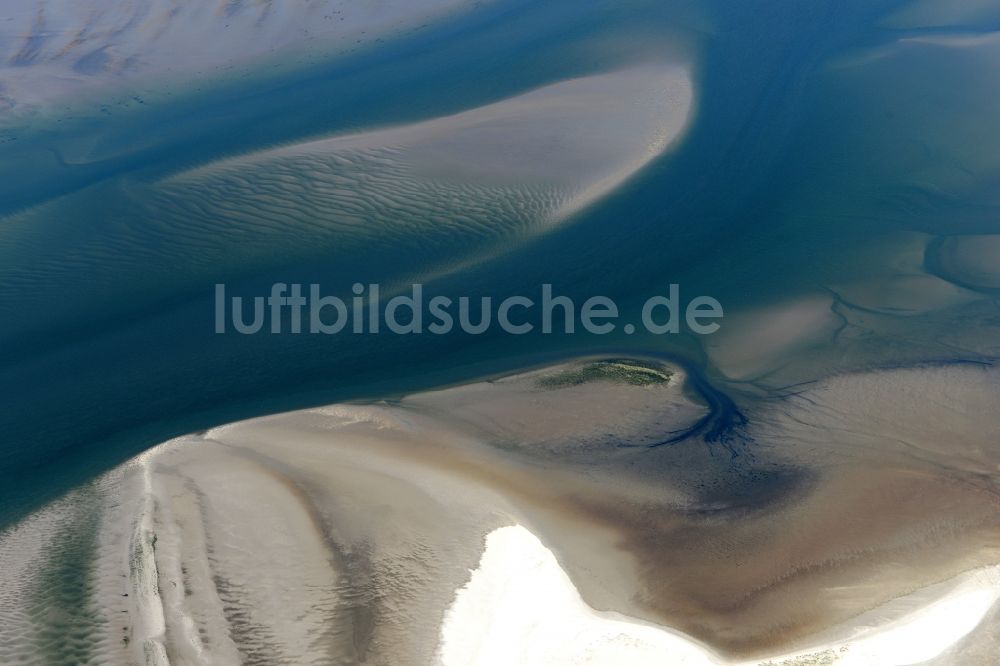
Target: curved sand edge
x,y
520,607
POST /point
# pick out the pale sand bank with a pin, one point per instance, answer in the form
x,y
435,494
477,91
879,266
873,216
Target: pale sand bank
x,y
442,193
571,141
520,607
851,522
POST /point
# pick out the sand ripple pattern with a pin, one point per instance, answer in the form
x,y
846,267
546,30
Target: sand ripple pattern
x,y
428,198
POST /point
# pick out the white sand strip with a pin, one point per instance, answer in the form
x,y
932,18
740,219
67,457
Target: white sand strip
x,y
520,607
144,580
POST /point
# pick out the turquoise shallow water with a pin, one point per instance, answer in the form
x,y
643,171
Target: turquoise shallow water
x,y
827,141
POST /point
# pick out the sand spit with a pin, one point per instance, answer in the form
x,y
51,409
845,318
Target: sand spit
x,y
858,523
144,581
577,135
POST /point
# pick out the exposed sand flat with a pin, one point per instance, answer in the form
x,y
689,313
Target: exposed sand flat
x,y
519,607
584,136
560,416
916,628
270,546
859,519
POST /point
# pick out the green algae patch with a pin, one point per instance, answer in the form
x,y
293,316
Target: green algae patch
x,y
633,373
